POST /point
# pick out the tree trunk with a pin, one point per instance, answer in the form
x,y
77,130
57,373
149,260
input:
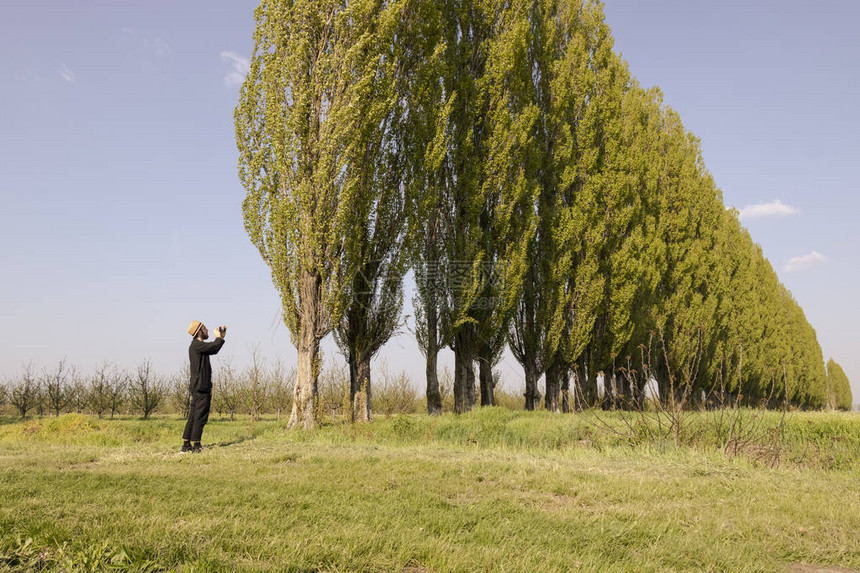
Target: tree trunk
x,y
471,394
434,397
588,388
625,392
485,374
464,373
610,382
553,385
305,390
565,391
578,389
359,389
532,395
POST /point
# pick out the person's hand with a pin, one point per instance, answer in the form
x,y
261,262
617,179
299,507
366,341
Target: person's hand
x,y
220,331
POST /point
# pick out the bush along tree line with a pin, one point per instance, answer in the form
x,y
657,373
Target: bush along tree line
x,y
260,389
543,199
107,392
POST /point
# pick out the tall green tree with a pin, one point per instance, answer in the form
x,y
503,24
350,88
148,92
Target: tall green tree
x,y
379,232
467,29
428,141
470,246
687,208
302,124
509,182
838,386
572,71
597,208
539,317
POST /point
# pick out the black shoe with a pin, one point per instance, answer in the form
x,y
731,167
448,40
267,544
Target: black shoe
x,y
196,449
186,448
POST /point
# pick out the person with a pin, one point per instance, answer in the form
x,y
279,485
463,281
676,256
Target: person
x,y
201,382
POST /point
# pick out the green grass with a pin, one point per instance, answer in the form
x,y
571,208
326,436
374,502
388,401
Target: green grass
x,y
492,490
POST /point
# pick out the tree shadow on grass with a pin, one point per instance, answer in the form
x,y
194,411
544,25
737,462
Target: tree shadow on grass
x,y
233,442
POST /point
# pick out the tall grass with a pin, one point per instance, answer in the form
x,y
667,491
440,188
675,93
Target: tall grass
x,y
491,490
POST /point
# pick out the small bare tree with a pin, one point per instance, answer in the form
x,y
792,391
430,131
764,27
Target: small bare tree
x,y
118,381
395,393
81,390
179,389
100,390
662,417
332,384
24,392
254,386
58,392
225,398
146,390
281,382
745,430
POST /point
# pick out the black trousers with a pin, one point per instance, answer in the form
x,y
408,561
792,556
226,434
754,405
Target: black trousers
x,y
198,415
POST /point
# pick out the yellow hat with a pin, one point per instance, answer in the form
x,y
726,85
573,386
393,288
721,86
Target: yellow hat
x,y
194,327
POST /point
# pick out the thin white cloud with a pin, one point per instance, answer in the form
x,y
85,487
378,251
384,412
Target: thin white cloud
x,y
771,210
803,262
66,73
147,45
240,67
161,47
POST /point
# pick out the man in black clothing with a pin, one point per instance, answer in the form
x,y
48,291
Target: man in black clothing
x,y
201,382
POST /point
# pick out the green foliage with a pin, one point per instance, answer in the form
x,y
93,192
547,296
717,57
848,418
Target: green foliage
x,y
838,387
311,127
543,198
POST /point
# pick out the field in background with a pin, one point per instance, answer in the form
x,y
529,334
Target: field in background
x,y
490,490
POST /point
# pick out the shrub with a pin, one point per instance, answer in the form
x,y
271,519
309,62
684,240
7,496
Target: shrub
x,y
394,393
253,387
25,392
281,384
333,382
179,390
59,394
226,393
146,390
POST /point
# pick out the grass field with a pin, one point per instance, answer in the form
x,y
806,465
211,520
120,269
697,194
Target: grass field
x,y
492,490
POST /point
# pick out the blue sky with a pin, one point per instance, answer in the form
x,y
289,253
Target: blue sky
x,y
121,209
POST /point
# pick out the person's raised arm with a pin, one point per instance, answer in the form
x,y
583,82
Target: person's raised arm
x,y
208,347
214,346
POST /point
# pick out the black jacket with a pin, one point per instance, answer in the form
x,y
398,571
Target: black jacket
x,y
201,370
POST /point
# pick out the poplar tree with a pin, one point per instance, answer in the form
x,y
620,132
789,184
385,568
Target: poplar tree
x,y
508,183
470,261
467,28
379,234
572,74
838,386
427,179
737,322
503,151
539,317
603,214
686,206
304,115
636,261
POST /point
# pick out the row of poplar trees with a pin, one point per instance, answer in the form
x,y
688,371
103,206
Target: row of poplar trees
x,y
543,200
